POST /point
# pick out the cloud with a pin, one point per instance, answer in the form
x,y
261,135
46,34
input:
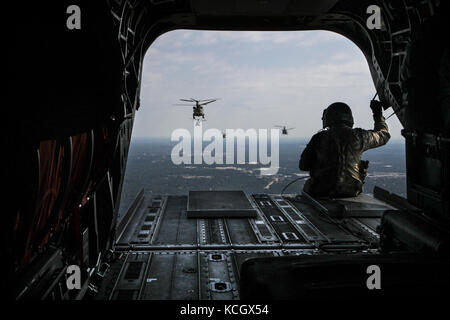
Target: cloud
x,y
205,38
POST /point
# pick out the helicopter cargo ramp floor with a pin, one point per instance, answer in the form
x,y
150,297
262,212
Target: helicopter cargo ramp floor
x,y
162,254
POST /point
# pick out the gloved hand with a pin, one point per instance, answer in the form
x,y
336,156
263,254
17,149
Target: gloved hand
x,y
377,107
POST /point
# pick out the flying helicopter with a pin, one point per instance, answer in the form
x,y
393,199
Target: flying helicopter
x,y
197,108
284,130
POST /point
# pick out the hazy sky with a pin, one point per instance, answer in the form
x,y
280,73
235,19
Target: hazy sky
x,y
262,79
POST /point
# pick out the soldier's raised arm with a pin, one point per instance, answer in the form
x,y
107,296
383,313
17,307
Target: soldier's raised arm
x,y
380,134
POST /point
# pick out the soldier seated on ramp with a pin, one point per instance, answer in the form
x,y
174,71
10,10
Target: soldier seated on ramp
x,y
333,156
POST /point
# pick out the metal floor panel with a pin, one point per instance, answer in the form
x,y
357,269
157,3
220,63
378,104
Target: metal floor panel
x,y
166,255
280,223
219,204
173,226
180,275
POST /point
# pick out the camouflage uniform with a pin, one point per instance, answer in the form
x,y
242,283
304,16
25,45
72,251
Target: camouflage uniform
x,y
333,158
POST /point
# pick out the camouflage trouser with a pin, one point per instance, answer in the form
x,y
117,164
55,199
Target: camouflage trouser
x,y
340,190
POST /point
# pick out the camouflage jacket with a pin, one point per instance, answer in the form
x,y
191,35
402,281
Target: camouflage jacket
x,y
333,158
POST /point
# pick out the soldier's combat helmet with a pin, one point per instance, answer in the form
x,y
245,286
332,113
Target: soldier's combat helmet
x,y
336,114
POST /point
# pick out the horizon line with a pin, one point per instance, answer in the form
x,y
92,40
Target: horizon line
x,y
283,138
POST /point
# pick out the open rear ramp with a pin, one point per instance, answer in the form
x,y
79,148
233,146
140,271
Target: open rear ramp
x,y
162,253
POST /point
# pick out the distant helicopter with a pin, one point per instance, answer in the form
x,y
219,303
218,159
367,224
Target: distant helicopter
x,y
197,109
284,130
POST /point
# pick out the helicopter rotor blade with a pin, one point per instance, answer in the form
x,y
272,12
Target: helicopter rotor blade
x,y
290,128
209,99
184,105
187,100
205,103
